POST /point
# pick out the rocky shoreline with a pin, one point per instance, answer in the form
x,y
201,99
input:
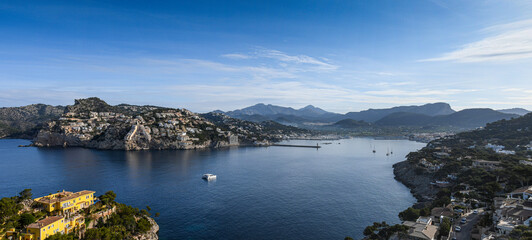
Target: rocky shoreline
x,y
419,184
150,234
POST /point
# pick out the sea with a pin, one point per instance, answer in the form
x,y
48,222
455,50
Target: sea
x,y
260,192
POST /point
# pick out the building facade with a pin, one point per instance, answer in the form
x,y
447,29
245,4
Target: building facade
x,y
67,202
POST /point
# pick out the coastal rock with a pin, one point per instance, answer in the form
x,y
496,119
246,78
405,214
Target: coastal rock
x,y
151,234
419,184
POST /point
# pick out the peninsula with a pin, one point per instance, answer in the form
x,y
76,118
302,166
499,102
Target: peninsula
x,y
92,123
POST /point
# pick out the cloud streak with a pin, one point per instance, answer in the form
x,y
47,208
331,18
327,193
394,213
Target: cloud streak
x,y
236,56
298,59
506,42
299,62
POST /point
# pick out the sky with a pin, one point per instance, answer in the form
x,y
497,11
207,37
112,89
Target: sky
x,y
340,56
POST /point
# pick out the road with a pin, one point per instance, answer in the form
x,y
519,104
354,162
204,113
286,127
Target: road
x,y
465,233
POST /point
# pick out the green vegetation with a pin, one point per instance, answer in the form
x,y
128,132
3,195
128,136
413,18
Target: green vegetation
x,y
108,198
445,227
411,214
60,236
522,233
25,194
124,223
383,230
9,208
26,219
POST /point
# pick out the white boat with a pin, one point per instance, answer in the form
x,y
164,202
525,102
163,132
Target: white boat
x,y
209,177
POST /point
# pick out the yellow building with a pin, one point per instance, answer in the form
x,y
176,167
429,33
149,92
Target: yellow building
x,y
52,225
67,202
45,228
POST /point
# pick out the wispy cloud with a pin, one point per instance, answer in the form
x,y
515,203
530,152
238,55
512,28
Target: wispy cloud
x,y
298,59
236,56
199,65
299,62
512,41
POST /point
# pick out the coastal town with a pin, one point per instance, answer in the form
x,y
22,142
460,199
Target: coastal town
x,y
472,185
71,215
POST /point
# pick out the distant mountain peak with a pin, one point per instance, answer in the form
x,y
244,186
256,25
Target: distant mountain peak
x,y
430,109
518,111
309,109
273,111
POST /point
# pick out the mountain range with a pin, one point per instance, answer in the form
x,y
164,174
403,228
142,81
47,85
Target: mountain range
x,y
25,122
432,114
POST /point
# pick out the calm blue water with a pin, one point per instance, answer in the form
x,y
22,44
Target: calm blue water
x,y
260,193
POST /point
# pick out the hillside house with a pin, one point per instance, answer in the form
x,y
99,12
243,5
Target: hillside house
x,y
488,165
421,229
524,193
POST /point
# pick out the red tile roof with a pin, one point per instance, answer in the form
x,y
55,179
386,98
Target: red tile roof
x,y
45,222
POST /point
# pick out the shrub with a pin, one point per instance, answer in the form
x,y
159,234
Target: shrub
x,y
410,214
26,219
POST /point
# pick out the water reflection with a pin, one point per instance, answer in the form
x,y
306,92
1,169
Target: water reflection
x,y
301,193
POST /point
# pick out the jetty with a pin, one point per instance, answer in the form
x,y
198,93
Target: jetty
x,y
292,145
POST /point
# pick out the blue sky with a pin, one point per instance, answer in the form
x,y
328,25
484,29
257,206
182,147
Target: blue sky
x,y
204,55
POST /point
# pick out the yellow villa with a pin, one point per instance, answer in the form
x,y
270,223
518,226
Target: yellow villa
x,y
67,202
51,225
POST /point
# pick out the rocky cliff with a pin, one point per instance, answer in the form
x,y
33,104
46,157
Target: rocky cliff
x,y
418,183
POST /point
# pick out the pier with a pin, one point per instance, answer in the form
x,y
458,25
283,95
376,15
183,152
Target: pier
x,y
292,145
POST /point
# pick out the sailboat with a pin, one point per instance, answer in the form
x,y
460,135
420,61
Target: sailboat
x,y
374,150
388,152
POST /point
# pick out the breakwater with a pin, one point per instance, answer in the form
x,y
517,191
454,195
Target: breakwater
x,y
292,145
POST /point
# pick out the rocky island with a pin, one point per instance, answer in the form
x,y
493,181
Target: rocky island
x,y
92,123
